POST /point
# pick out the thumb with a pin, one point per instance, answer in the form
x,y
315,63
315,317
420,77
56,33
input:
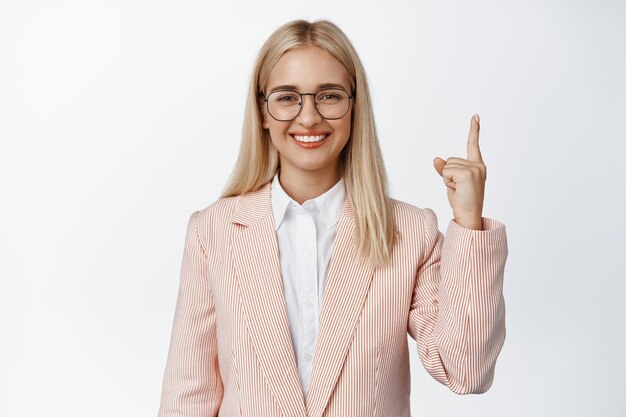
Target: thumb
x,y
439,164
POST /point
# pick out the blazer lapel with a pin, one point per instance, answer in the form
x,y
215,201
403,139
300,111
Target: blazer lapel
x,y
257,264
257,267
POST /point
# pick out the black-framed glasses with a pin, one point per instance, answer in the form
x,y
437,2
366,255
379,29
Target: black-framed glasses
x,y
330,103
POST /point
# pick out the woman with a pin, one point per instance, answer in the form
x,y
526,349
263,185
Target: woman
x,y
300,283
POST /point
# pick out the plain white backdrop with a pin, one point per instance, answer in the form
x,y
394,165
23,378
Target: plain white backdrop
x,y
120,118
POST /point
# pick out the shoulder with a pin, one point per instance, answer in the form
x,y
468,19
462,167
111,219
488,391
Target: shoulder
x,y
216,212
211,221
417,226
409,215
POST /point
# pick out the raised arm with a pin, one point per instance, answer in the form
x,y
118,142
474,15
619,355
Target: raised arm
x,y
457,313
192,385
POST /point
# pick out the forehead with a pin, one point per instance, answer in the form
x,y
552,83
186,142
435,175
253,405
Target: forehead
x,y
307,69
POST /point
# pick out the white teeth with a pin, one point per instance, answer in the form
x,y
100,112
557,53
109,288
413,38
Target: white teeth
x,y
309,138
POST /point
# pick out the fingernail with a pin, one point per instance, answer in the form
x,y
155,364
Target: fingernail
x,y
477,117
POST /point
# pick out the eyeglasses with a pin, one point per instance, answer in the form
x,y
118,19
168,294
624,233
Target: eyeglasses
x,y
330,103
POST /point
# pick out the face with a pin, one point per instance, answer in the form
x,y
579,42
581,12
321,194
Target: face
x,y
306,69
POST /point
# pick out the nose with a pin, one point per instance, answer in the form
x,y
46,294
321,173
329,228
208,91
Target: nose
x,y
308,113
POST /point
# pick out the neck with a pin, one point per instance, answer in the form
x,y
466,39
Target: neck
x,y
302,185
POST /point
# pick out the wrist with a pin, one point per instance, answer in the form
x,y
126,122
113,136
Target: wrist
x,y
470,223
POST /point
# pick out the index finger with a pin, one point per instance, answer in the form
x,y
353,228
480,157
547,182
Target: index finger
x,y
473,150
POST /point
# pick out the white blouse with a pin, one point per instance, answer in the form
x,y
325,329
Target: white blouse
x,y
305,235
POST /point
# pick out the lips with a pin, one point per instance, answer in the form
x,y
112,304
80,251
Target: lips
x,y
310,145
325,136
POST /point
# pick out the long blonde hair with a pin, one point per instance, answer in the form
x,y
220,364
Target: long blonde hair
x,y
360,162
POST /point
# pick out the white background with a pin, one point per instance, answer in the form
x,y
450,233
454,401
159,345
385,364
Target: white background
x,y
120,118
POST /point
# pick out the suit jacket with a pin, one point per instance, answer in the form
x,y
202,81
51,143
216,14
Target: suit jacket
x,y
231,352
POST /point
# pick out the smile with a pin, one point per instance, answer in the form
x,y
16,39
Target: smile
x,y
309,139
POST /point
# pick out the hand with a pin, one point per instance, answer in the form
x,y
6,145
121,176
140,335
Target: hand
x,y
465,179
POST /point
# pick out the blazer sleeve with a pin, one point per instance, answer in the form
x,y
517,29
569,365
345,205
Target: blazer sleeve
x,y
192,385
457,314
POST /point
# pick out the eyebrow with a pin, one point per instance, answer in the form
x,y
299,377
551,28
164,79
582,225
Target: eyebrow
x,y
293,87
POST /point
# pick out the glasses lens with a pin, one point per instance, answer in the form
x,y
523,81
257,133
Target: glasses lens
x,y
283,105
332,103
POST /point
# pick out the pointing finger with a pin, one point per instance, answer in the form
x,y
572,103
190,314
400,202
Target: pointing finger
x,y
473,151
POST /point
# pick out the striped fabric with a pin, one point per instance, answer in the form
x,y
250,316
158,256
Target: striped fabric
x,y
231,353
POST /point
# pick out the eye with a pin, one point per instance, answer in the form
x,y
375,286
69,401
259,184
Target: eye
x,y
286,97
331,96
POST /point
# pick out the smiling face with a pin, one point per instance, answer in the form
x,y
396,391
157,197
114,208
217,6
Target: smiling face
x,y
307,69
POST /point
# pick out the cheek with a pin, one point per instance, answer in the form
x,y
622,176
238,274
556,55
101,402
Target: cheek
x,y
344,127
277,135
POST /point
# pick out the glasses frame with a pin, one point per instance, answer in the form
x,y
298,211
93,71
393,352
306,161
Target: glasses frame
x,y
267,104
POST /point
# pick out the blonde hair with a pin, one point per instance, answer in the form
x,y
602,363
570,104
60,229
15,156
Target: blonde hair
x,y
360,162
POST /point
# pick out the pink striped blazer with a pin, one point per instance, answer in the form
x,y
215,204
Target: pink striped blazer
x,y
231,353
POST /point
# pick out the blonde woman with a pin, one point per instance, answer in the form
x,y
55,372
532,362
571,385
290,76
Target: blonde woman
x,y
300,284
